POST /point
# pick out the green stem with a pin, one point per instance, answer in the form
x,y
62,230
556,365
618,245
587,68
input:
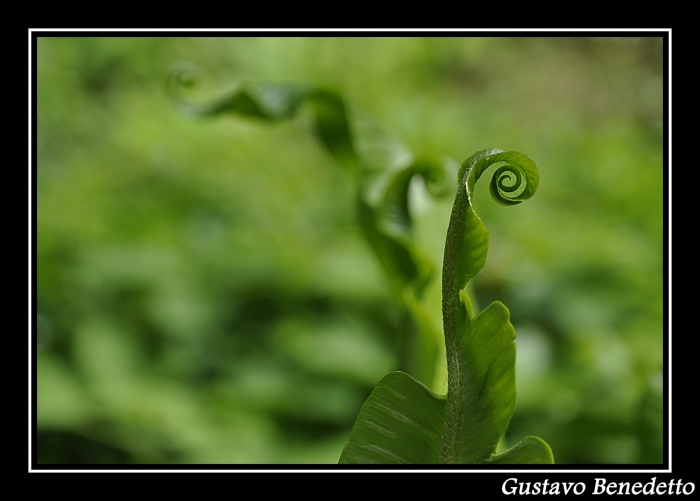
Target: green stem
x,y
454,316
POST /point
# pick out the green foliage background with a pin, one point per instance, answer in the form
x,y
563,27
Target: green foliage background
x,y
204,293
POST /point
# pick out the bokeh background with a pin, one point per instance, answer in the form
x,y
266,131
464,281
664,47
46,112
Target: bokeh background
x,y
204,293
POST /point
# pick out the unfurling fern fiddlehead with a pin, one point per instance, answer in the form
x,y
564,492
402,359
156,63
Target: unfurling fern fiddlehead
x,y
467,438
403,421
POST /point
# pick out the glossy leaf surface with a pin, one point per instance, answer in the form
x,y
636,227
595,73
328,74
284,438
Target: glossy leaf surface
x,y
400,423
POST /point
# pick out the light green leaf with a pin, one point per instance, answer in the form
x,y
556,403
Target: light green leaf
x,y
530,450
400,423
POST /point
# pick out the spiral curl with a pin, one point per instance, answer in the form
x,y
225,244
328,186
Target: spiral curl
x,y
518,168
505,193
